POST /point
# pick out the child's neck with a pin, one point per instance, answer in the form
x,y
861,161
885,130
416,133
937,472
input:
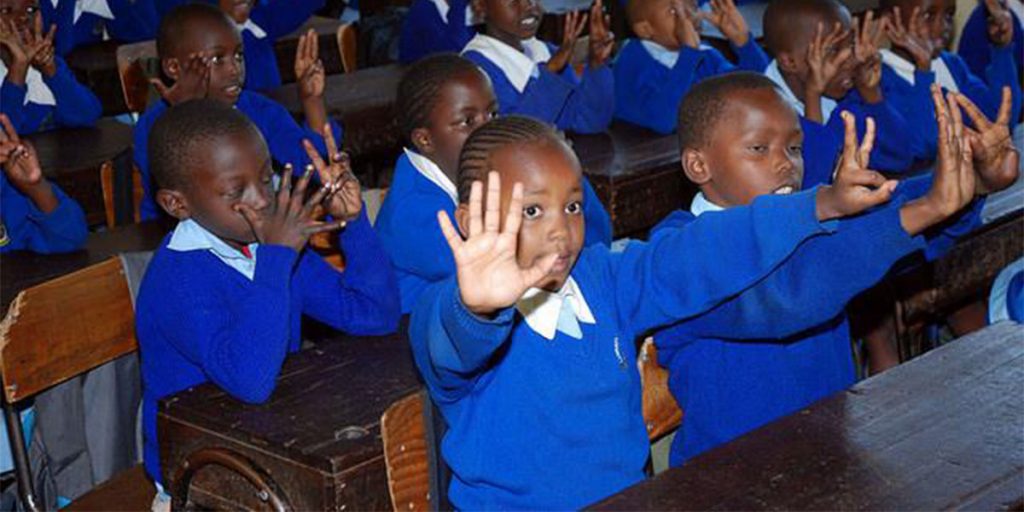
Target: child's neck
x,y
795,84
505,37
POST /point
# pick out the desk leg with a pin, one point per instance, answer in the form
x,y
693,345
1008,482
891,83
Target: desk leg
x,y
22,471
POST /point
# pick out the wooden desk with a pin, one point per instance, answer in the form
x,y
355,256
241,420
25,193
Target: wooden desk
x,y
72,157
940,432
22,269
636,173
318,437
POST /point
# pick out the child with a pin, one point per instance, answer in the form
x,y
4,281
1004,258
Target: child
x,y
919,31
82,22
528,350
441,100
35,215
652,74
435,26
824,65
975,45
223,296
531,78
752,372
200,49
38,89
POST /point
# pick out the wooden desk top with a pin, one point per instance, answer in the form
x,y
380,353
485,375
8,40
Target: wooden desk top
x,y
22,269
72,149
941,431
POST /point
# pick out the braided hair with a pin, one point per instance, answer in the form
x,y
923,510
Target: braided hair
x,y
474,161
421,84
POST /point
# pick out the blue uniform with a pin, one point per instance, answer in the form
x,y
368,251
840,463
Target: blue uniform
x,y
651,81
48,102
26,228
274,19
282,134
523,85
975,48
426,31
126,21
408,229
555,424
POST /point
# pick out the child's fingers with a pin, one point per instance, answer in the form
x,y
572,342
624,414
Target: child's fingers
x,y
514,217
849,136
299,194
454,240
941,116
955,116
314,200
161,89
539,270
254,219
492,218
864,153
476,209
318,162
867,178
1003,118
320,227
9,133
285,190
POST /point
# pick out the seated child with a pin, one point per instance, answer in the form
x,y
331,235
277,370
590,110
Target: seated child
x,y
793,347
653,73
975,44
531,77
35,215
1006,300
37,89
920,30
824,64
200,49
435,26
441,100
224,294
81,22
528,350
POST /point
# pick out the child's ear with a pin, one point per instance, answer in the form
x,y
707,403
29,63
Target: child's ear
x,y
171,67
421,139
479,9
643,29
462,218
173,202
695,167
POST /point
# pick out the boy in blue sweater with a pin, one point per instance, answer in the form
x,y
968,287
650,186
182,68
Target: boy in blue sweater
x,y
37,89
825,64
435,26
82,22
532,78
920,30
793,345
975,44
441,100
528,350
35,215
653,73
224,294
201,51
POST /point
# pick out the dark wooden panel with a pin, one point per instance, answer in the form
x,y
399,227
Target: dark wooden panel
x,y
942,431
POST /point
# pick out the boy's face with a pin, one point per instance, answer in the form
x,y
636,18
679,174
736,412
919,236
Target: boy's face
x,y
237,10
21,12
465,102
236,170
842,82
659,21
510,21
938,16
223,46
754,149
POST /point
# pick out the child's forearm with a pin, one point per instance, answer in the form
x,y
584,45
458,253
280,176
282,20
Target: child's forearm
x,y
42,196
812,107
919,215
316,112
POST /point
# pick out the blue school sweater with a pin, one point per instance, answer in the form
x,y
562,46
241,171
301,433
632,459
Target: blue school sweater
x,y
581,104
425,31
75,105
26,228
557,424
784,343
275,19
279,129
126,21
199,320
408,229
976,49
649,86
914,99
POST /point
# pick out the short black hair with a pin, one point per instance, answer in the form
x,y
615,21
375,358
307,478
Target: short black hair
x,y
786,24
178,24
420,85
185,134
702,107
474,160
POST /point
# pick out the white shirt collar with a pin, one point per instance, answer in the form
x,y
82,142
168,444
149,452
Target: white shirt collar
x,y
432,172
827,104
251,26
541,308
664,56
443,7
701,205
98,7
518,66
190,236
36,90
905,69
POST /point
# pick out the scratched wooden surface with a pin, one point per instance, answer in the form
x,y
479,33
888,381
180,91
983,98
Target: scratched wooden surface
x,y
943,431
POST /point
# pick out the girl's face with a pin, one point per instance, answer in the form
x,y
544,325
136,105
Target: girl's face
x,y
510,21
21,12
465,102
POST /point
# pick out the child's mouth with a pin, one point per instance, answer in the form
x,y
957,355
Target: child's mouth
x,y
233,89
529,22
561,264
785,189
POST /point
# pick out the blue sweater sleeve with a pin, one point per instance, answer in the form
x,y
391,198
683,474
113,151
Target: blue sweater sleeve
x,y
61,230
76,104
590,107
12,103
751,56
414,239
362,300
282,17
543,97
134,20
598,228
647,93
987,94
820,151
896,142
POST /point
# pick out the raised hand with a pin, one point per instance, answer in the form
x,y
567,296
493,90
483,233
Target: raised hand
x,y
573,27
911,35
1000,23
728,20
288,221
867,37
488,274
824,64
855,187
602,41
39,46
686,24
309,69
344,199
21,165
11,40
193,81
996,160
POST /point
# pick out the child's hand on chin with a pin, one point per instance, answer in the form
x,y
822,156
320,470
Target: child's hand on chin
x,y
855,188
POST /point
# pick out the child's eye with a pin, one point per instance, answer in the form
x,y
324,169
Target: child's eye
x,y
531,212
759,148
233,194
574,208
492,114
796,149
